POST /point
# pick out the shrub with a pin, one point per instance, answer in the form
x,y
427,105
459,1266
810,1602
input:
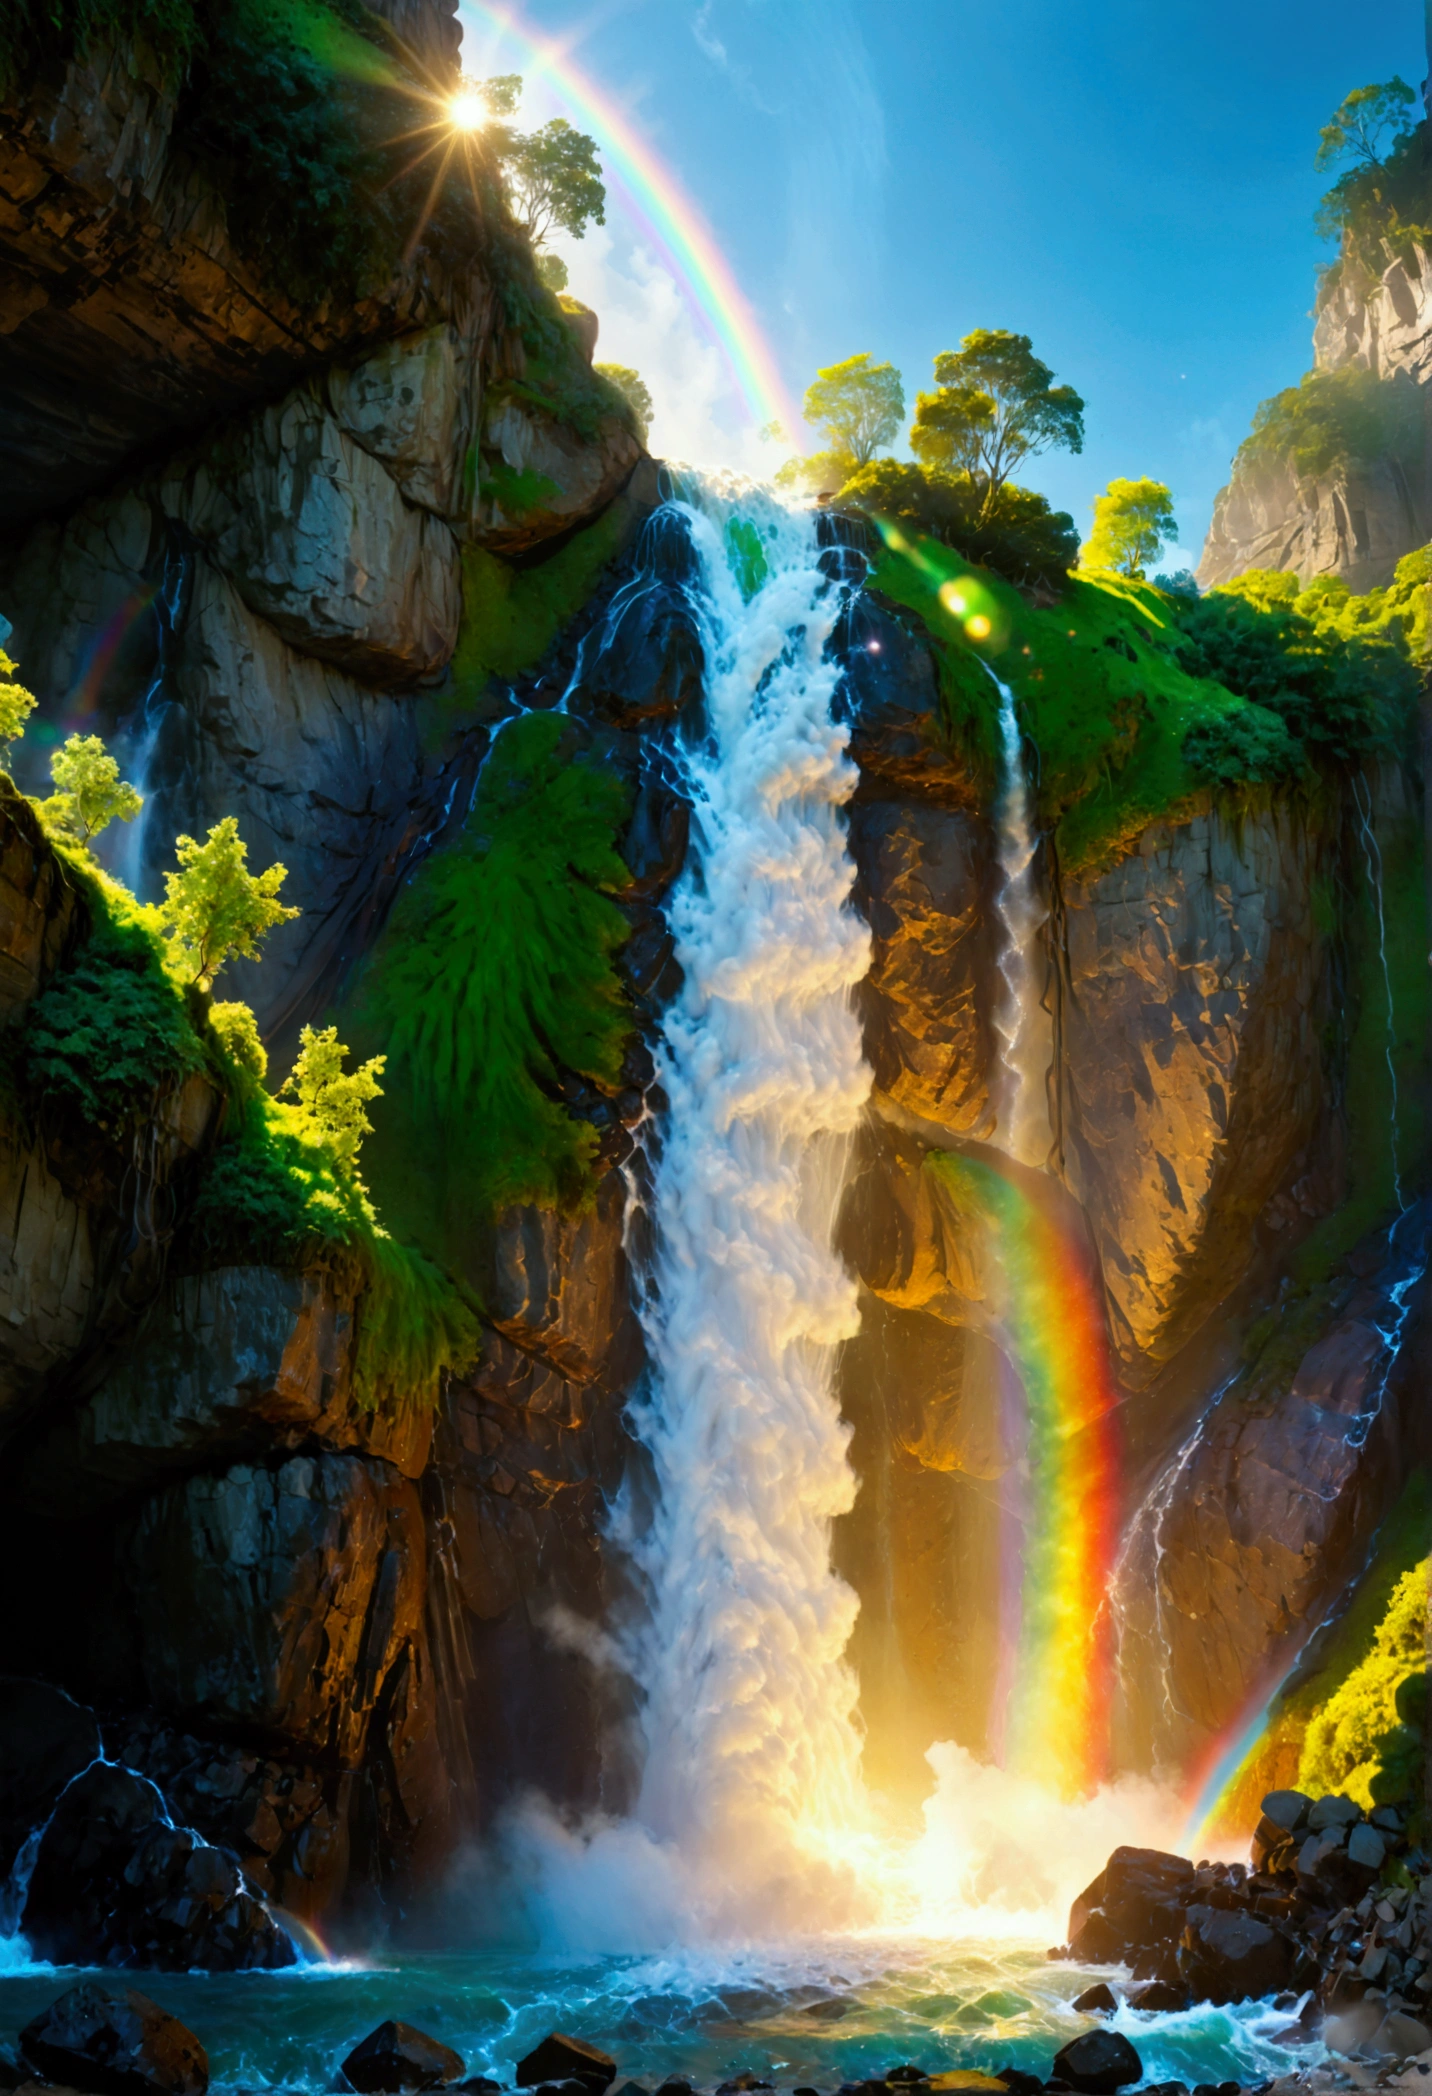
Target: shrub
x,y
237,1032
16,704
1333,419
1248,747
1021,538
334,1100
213,906
1367,1740
89,794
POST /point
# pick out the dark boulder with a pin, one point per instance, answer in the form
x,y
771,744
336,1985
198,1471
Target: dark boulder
x,y
1098,2063
1287,1809
1159,1997
45,1740
115,2045
649,664
1136,1903
396,2057
1019,2082
115,1884
1226,1956
559,2058
1097,2000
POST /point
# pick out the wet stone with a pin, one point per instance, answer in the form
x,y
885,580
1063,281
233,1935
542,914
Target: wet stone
x,y
395,2058
561,2058
120,2044
1098,2000
1098,2063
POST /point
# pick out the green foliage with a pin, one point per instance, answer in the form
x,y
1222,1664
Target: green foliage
x,y
112,1028
554,181
1382,201
858,407
16,704
334,1100
1133,522
553,272
1017,534
995,406
511,616
237,1032
496,974
213,906
89,795
635,392
1249,747
1333,419
34,31
275,1191
516,492
1366,1742
1181,583
1342,692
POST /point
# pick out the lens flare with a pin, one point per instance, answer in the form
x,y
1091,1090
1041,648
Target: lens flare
x,y
466,110
978,626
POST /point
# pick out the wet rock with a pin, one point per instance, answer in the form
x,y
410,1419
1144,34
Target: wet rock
x,y
396,2057
115,1884
1190,1060
115,2045
1158,1998
315,536
1227,1956
559,2057
1331,1812
922,887
1097,2000
1136,1902
648,665
236,1361
559,1283
1098,2063
892,691
46,1739
1019,2082
1366,1848
1287,1809
1402,2035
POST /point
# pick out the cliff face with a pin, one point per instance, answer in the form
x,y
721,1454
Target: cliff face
x,y
1357,523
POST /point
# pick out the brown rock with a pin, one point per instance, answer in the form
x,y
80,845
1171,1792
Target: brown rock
x,y
115,2045
1226,1956
583,475
46,1738
558,2058
395,2057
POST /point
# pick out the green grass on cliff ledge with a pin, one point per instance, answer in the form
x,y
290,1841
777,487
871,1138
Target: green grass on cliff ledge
x,y
494,976
512,614
1101,694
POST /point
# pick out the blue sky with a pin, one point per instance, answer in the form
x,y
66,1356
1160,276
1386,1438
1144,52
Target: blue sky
x,y
1130,182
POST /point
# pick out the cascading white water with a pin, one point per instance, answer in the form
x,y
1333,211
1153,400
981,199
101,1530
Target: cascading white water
x,y
1020,1084
752,1747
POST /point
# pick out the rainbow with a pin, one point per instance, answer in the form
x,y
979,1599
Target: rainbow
x,y
1055,1724
670,221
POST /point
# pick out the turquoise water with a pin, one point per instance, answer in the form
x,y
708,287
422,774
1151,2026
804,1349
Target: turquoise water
x,y
701,2015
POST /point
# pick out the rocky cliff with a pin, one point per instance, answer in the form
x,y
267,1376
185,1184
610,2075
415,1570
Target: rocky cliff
x,y
1357,521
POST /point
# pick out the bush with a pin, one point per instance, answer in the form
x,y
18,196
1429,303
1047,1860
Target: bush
x,y
1249,747
111,1029
1333,419
1367,1740
1022,539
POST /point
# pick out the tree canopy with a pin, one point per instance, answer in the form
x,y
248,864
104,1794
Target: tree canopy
x,y
858,407
995,405
1133,521
554,181
1356,130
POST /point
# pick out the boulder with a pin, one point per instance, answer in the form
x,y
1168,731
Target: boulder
x,y
1158,1998
115,2045
1139,1897
1287,1809
396,2057
1097,2000
548,478
1226,1956
1098,2063
560,2058
1366,1847
114,1883
46,1738
1331,1812
1402,2035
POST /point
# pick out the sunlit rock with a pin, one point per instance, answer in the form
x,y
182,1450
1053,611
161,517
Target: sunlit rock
x,y
553,477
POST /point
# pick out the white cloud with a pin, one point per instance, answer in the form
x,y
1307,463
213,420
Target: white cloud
x,y
647,322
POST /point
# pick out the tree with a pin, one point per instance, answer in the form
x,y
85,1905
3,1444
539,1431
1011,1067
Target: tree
x,y
1354,134
16,704
90,794
554,181
213,906
633,388
1133,521
553,272
335,1100
995,406
858,407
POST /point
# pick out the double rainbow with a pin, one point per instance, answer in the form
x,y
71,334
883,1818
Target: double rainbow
x,y
665,214
1055,1724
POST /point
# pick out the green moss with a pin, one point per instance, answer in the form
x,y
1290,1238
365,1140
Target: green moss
x,y
1101,692
272,1193
511,615
112,1028
1365,1741
494,977
516,492
1275,1761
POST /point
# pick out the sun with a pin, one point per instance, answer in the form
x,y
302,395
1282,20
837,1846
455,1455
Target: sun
x,y
466,110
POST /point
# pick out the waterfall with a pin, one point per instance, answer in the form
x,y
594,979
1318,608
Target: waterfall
x,y
752,1744
1020,1085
